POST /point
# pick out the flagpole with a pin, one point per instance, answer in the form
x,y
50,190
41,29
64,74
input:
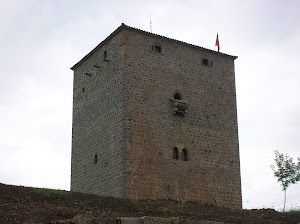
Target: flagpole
x,y
217,43
150,23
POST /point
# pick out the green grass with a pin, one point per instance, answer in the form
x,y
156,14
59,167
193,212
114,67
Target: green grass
x,y
293,212
49,192
176,206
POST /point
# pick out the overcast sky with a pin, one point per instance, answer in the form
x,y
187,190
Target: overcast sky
x,y
41,40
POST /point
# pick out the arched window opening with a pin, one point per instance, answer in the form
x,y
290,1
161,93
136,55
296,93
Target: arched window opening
x,y
179,105
175,153
184,155
177,96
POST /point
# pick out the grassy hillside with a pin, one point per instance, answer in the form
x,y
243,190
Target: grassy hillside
x,y
34,205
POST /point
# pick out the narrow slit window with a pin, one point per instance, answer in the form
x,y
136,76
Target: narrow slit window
x,y
95,158
175,153
184,155
105,54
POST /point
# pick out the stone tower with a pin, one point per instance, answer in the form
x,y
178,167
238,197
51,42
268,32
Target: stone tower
x,y
153,118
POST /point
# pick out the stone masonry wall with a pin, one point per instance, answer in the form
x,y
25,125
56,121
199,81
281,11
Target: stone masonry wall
x,y
208,132
98,138
124,129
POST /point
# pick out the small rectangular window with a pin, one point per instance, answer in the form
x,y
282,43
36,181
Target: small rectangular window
x,y
156,48
205,61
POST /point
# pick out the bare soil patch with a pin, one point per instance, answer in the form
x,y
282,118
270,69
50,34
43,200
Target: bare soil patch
x,y
33,205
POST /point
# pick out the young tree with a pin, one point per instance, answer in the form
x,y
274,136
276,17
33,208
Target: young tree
x,y
286,171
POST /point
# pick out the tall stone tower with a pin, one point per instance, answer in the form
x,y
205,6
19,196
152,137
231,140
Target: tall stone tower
x,y
155,118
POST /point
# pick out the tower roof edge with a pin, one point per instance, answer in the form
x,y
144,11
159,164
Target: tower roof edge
x,y
124,26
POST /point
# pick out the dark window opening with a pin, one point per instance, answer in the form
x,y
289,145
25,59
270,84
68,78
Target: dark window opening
x,y
177,96
184,155
95,158
156,48
105,56
205,61
83,90
175,153
150,160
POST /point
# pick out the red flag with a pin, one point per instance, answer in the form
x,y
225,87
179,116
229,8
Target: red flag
x,y
217,42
